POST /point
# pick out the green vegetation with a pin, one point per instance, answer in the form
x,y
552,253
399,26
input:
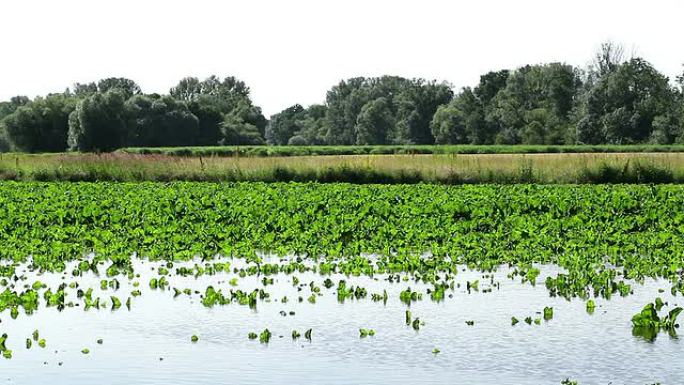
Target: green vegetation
x,y
605,238
648,323
612,101
634,227
279,151
389,169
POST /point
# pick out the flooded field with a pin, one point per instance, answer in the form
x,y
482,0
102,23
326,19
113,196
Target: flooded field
x,y
466,337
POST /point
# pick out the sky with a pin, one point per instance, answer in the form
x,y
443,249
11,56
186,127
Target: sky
x,y
293,51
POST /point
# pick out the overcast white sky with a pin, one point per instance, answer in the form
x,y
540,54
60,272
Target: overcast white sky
x,y
292,51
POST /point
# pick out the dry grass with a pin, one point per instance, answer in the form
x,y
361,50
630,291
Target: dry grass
x,y
452,168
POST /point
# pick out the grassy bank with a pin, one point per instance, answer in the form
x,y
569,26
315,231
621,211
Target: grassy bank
x,y
261,151
362,169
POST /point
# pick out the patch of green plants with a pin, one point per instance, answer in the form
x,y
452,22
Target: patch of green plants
x,y
647,323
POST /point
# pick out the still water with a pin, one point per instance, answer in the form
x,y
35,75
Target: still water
x,y
150,343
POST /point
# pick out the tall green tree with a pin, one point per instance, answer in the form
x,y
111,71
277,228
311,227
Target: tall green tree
x,y
283,125
243,125
98,123
627,105
417,103
313,125
411,103
210,116
41,125
126,87
162,121
375,123
461,121
536,104
221,105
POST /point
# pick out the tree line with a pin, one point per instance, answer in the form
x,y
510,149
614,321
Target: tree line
x,y
612,101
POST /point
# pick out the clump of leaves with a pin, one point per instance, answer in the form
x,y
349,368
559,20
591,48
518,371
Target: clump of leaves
x,y
548,313
194,338
591,306
647,323
363,333
407,296
3,339
116,303
265,336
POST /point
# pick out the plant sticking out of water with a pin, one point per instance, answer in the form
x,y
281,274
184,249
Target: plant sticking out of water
x,y
407,296
363,333
474,285
116,303
548,313
647,323
591,306
265,336
3,339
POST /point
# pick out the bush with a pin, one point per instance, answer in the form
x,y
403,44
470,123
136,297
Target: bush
x,y
297,140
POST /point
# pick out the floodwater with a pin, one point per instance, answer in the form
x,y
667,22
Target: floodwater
x,y
150,343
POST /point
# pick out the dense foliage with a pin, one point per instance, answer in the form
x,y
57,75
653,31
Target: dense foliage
x,y
301,150
607,239
638,228
612,101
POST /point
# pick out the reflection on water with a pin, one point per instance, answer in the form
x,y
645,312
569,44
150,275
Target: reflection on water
x,y
150,344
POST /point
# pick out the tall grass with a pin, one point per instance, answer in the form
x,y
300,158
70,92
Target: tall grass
x,y
388,169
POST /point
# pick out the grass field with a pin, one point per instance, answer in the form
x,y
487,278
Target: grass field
x,y
384,169
389,150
